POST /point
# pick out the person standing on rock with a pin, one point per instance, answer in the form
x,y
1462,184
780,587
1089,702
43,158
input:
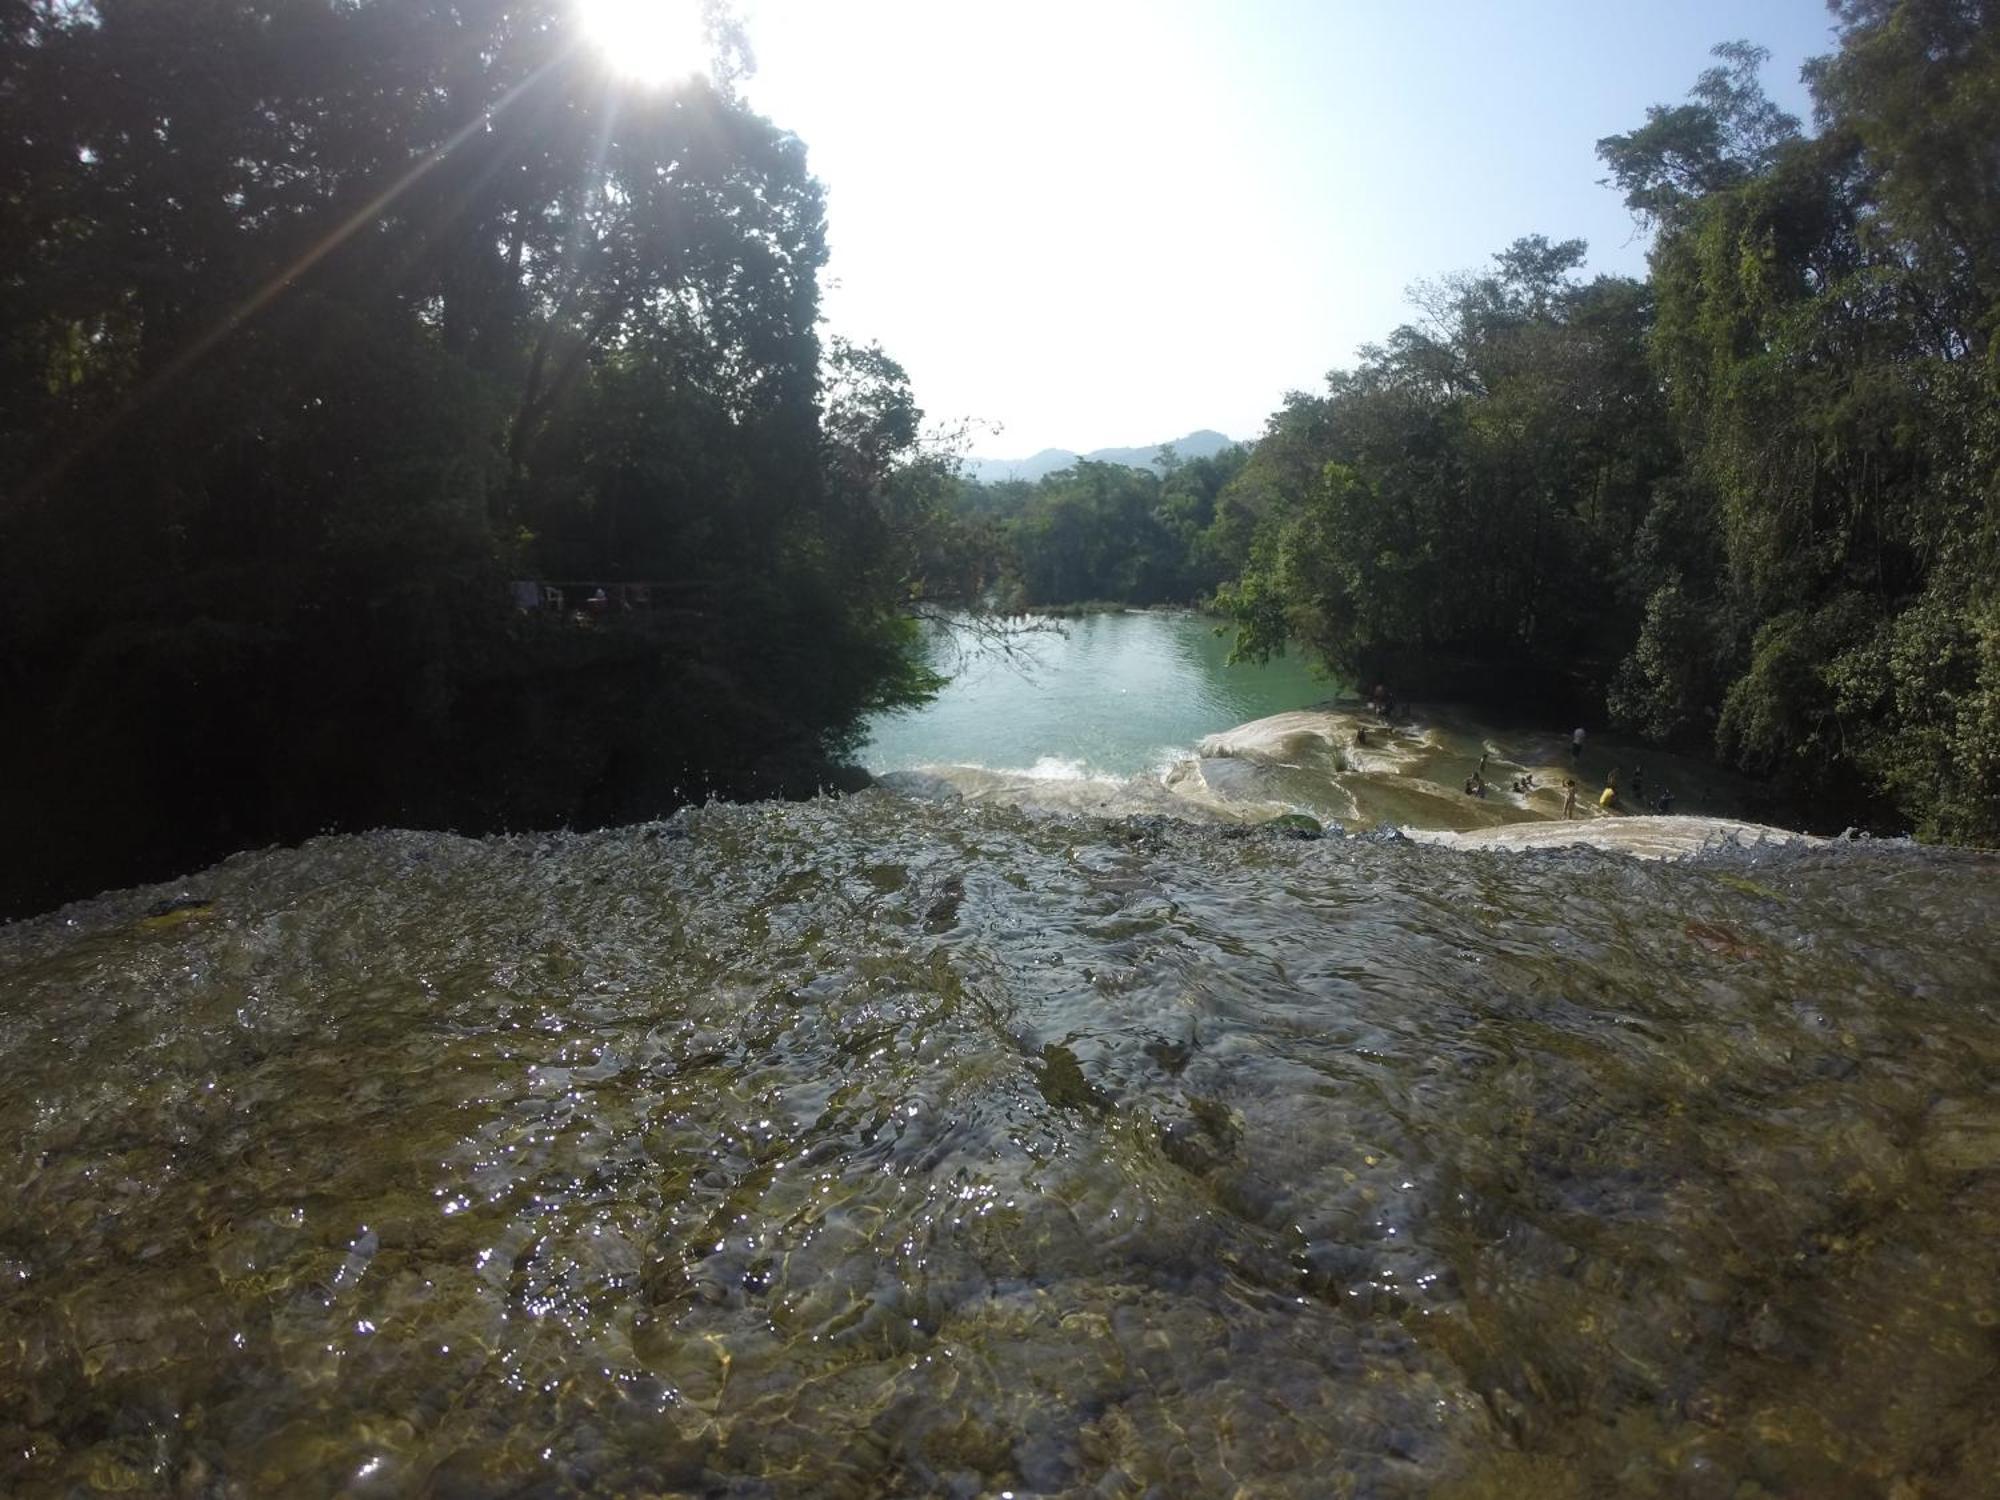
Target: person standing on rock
x,y
1569,802
1576,746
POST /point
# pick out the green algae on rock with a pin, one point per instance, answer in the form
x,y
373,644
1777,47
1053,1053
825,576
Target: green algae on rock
x,y
880,1146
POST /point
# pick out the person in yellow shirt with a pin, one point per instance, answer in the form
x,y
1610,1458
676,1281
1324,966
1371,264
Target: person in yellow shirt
x,y
1608,798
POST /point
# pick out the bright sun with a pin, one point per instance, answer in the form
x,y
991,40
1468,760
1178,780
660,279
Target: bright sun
x,y
653,41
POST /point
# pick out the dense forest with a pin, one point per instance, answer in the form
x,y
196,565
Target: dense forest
x,y
1098,532
1749,505
404,422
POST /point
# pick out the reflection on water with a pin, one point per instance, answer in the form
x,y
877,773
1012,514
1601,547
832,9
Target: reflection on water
x,y
1104,695
878,1148
1131,713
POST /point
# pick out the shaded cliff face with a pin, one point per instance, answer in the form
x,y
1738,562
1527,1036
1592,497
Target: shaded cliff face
x,y
894,1147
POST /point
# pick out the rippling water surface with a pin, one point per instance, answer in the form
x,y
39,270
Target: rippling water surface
x,y
1141,712
1104,695
875,1148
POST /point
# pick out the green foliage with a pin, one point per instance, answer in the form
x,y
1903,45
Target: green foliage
x,y
1468,491
1102,531
1727,132
1665,684
1755,500
1091,532
325,321
1825,333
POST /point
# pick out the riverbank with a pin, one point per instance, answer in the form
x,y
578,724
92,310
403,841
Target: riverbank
x,y
1346,767
1412,771
1142,713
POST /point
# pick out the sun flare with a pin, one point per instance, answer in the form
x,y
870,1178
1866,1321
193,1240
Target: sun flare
x,y
651,41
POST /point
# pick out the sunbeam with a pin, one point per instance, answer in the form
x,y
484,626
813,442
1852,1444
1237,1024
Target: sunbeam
x,y
649,41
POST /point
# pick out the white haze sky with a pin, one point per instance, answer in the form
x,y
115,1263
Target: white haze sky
x,y
1105,222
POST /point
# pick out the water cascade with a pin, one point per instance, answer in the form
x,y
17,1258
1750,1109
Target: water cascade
x,y
904,1146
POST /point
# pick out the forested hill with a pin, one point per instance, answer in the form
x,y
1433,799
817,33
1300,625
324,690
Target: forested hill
x,y
1204,443
1749,505
404,422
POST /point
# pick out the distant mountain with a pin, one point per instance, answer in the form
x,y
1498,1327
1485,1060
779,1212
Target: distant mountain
x,y
1202,444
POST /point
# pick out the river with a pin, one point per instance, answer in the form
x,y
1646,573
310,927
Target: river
x,y
1142,712
934,1145
1104,695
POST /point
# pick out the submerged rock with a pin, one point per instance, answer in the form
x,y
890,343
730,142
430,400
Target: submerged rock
x,y
920,784
1060,1078
1204,1140
174,912
943,913
848,780
1293,826
1182,1166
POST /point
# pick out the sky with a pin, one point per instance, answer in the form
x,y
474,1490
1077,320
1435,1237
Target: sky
x,y
1106,222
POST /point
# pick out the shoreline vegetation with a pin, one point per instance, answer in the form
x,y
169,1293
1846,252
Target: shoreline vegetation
x,y
276,496
1746,508
1340,764
274,492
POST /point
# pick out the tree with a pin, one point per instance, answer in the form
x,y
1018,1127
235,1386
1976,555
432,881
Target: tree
x,y
324,321
1464,495
1727,131
1822,308
1752,503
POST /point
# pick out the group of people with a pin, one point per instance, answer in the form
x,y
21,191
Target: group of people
x,y
1476,786
532,596
1608,800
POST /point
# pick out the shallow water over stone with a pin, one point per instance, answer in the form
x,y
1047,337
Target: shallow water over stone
x,y
891,1148
1131,712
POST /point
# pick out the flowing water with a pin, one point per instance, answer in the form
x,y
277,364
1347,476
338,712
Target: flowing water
x,y
1102,696
1141,712
890,1147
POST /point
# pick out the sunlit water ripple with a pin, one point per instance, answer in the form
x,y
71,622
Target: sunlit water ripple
x,y
880,1148
1109,695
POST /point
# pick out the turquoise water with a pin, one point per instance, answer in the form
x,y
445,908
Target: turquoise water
x,y
1105,695
1142,712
